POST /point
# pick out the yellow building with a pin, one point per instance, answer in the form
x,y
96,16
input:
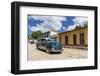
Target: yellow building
x,y
76,37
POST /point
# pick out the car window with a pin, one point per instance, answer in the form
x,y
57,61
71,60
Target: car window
x,y
46,40
49,40
41,40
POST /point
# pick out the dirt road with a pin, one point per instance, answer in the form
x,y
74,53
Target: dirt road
x,y
68,53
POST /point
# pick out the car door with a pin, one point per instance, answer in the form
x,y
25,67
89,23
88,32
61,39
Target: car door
x,y
39,43
44,44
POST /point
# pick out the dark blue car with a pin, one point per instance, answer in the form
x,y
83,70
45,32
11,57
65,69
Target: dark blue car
x,y
49,45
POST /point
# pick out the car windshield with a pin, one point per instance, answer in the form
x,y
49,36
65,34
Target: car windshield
x,y
50,40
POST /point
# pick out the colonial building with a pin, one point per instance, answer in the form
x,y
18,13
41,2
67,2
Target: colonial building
x,y
49,34
76,37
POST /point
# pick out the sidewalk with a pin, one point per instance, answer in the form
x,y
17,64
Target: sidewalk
x,y
76,47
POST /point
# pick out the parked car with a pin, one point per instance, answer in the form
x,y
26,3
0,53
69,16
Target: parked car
x,y
49,45
31,41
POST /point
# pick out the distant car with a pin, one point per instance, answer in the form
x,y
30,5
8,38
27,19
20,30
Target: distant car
x,y
49,45
31,41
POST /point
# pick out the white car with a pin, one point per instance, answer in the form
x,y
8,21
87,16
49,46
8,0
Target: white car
x,y
31,41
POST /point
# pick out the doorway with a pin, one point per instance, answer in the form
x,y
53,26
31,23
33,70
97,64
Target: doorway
x,y
74,39
66,40
82,39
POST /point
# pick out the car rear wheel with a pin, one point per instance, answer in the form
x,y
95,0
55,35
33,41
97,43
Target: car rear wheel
x,y
37,47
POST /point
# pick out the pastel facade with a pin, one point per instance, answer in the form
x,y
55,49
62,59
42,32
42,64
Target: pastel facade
x,y
76,37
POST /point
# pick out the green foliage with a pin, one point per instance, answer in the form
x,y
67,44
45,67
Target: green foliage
x,y
36,34
30,37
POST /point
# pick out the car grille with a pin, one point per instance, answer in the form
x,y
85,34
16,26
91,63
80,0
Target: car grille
x,y
56,46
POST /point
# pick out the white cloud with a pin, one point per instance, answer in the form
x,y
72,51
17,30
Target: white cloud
x,y
78,21
71,27
63,27
32,28
54,23
49,23
38,28
49,18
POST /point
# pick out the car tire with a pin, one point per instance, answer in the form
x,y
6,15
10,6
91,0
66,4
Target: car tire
x,y
37,48
48,51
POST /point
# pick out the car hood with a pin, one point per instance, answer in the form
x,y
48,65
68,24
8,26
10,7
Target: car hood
x,y
55,45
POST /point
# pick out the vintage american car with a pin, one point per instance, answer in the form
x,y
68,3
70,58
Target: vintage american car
x,y
49,45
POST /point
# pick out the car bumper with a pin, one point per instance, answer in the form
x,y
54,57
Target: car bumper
x,y
55,50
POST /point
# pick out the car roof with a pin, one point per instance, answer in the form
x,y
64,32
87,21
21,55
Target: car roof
x,y
45,38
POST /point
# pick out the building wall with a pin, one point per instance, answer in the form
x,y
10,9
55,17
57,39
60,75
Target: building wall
x,y
76,32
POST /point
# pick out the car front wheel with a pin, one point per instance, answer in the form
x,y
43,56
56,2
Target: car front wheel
x,y
48,51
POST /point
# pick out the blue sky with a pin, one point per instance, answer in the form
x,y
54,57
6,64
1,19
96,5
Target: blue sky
x,y
54,23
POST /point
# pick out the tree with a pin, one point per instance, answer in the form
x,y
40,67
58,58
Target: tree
x,y
30,37
36,34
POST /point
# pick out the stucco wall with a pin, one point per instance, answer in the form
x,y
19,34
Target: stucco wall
x,y
77,33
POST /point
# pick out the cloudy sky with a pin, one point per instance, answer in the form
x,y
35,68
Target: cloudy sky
x,y
54,23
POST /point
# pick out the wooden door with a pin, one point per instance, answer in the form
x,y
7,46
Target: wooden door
x,y
74,39
82,39
66,40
